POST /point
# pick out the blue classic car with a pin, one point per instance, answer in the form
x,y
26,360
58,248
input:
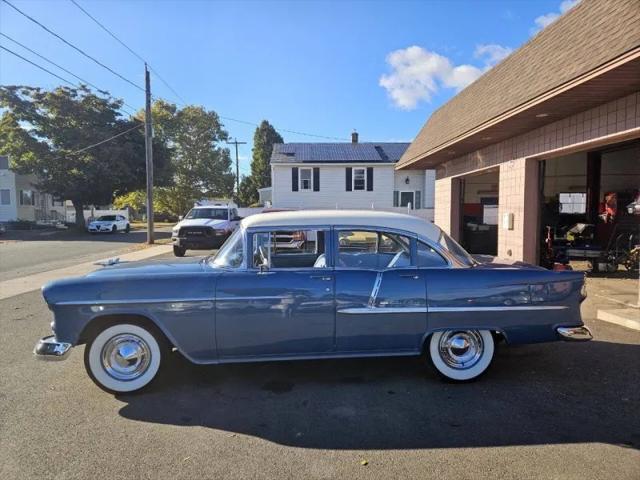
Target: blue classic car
x,y
358,284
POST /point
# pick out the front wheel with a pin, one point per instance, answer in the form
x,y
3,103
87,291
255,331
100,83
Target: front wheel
x,y
114,229
461,355
123,358
179,251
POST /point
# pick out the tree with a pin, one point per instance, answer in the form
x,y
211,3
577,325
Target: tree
x,y
46,133
263,139
201,168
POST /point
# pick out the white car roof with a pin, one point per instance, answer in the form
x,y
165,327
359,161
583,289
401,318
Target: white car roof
x,y
363,218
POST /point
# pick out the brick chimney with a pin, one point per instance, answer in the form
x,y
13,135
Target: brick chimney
x,y
354,137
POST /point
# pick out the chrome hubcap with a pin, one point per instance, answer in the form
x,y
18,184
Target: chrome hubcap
x,y
126,357
461,349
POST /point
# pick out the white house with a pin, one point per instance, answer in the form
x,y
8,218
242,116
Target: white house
x,y
20,200
349,176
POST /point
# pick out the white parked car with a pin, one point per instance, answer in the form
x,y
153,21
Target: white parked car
x,y
110,224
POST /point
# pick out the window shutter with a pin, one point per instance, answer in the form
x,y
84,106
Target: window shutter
x,y
370,179
316,179
396,198
349,184
418,200
294,179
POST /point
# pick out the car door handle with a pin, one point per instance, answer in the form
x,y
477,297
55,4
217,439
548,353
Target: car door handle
x,y
326,278
412,276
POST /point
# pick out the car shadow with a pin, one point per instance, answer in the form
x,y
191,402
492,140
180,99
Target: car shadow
x,y
536,394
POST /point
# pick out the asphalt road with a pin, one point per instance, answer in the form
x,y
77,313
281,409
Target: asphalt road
x,y
549,411
28,252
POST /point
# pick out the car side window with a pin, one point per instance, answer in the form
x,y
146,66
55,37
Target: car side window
x,y
290,249
428,257
373,250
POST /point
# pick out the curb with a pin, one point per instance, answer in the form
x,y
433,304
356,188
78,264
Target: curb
x,y
20,285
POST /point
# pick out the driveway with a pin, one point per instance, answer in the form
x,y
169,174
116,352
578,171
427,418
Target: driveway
x,y
544,411
27,252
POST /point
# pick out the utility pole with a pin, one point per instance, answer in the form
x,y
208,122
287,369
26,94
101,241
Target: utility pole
x,y
236,143
148,137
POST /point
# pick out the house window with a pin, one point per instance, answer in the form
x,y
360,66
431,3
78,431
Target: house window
x,y
406,198
574,203
359,179
57,202
26,197
5,196
305,179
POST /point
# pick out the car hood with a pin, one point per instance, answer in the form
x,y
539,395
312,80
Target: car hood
x,y
102,222
202,222
149,267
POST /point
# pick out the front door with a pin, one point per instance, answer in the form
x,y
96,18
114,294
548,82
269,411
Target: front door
x,y
380,296
283,304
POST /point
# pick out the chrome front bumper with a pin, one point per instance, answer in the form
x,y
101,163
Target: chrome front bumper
x,y
575,334
48,348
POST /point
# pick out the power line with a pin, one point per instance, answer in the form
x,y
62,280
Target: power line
x,y
121,42
295,132
100,90
38,66
104,141
73,46
184,102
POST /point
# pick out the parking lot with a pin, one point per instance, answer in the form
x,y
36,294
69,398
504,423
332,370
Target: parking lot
x,y
542,411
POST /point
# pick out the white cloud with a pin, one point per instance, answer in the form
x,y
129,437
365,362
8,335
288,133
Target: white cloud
x,y
418,74
492,53
547,19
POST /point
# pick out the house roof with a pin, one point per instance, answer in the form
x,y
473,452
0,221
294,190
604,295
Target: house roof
x,y
384,152
548,75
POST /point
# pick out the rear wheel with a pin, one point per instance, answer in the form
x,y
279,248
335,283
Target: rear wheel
x,y
179,251
461,355
127,229
114,229
123,358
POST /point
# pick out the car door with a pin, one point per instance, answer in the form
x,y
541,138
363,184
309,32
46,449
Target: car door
x,y
380,293
281,305
122,222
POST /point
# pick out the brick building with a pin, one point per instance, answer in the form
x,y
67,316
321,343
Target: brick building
x,y
542,137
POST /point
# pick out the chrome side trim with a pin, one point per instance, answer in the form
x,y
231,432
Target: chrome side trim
x,y
385,310
133,301
375,290
497,308
264,297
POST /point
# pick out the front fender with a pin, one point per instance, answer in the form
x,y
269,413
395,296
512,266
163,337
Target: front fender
x,y
181,306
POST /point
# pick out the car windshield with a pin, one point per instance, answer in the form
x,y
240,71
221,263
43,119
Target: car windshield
x,y
231,254
211,213
456,250
107,218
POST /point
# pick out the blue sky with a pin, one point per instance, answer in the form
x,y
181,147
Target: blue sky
x,y
323,68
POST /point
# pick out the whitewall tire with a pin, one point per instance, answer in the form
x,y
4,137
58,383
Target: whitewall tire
x,y
123,358
461,355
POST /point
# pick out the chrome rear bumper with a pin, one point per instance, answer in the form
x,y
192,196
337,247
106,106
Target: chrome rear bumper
x,y
48,348
575,334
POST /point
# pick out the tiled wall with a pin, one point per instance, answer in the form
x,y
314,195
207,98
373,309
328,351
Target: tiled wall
x,y
519,172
